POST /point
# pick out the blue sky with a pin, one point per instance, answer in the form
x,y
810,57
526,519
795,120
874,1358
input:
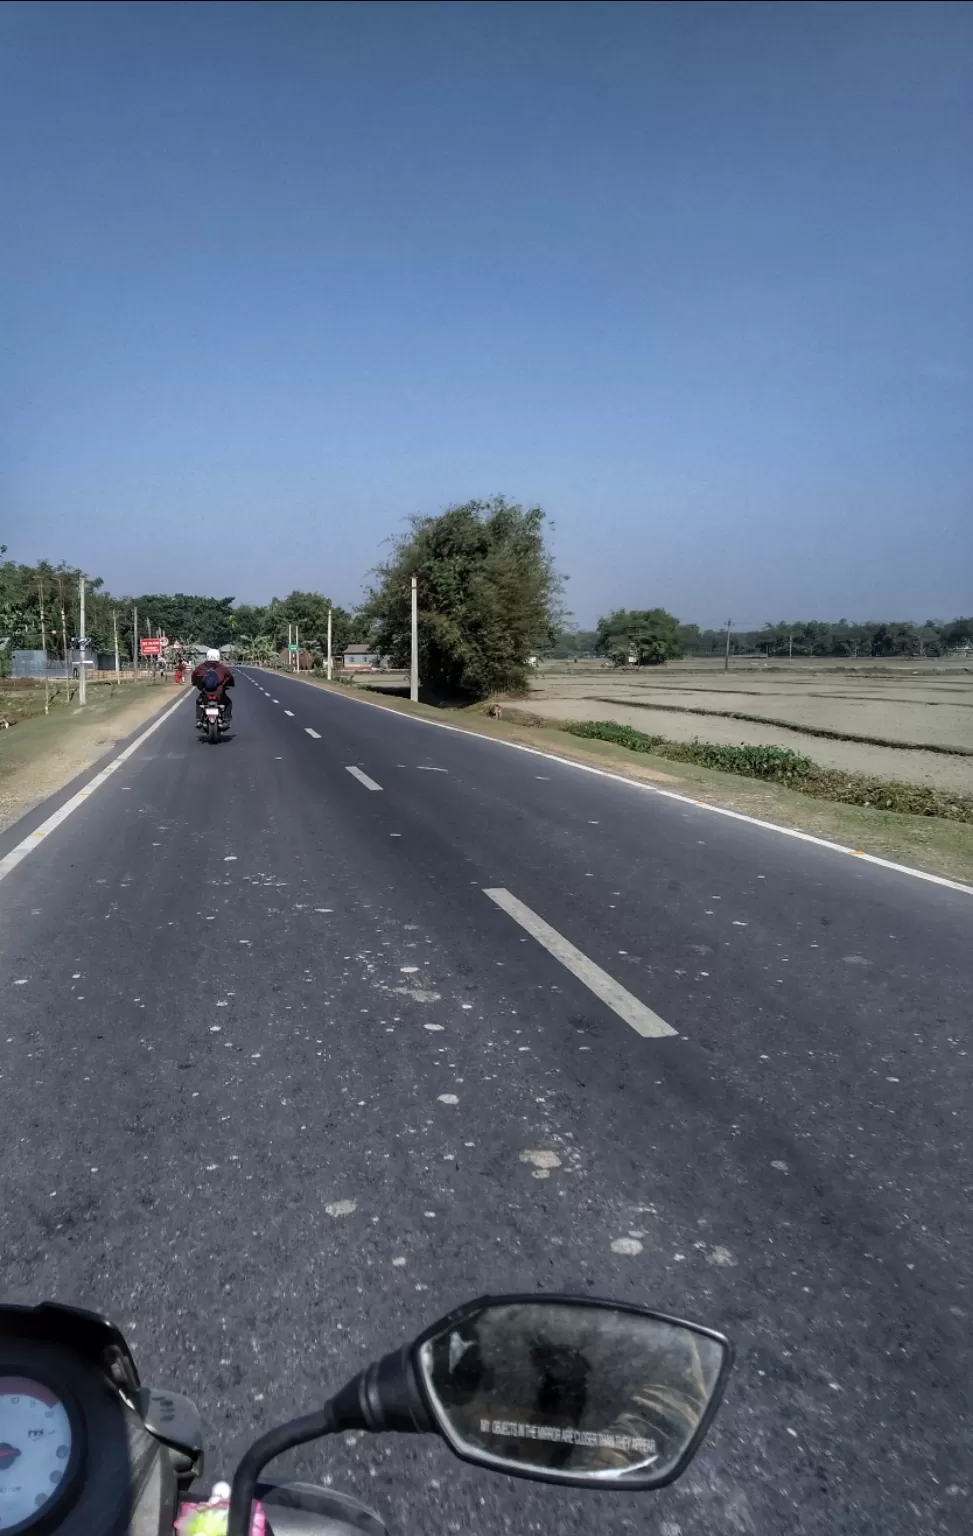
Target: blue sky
x,y
697,278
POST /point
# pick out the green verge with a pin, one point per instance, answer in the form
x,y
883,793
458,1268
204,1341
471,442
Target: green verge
x,y
780,765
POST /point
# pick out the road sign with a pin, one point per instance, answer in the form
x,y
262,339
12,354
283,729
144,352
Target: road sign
x,y
150,647
293,647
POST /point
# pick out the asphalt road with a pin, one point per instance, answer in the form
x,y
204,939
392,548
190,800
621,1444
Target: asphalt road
x,y
280,1083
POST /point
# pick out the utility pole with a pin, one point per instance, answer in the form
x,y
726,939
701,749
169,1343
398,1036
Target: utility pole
x,y
290,653
64,648
114,625
790,647
135,642
726,658
47,691
414,672
297,653
82,643
329,642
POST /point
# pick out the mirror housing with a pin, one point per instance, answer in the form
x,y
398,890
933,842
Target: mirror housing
x,y
573,1390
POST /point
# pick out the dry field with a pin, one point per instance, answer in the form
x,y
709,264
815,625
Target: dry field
x,y
924,710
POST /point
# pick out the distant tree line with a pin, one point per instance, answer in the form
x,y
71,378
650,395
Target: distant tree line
x,y
814,637
489,600
651,636
42,601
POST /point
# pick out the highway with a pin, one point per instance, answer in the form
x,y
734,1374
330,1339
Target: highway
x,y
311,1035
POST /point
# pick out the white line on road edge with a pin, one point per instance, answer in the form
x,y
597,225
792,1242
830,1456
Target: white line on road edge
x,y
611,992
34,839
315,734
667,794
363,778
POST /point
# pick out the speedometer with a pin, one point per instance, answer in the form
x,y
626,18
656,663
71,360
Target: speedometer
x,y
35,1449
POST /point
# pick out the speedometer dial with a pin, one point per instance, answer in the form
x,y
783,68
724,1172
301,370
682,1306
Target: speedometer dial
x,y
35,1448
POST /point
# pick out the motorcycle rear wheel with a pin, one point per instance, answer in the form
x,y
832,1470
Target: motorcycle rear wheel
x,y
214,732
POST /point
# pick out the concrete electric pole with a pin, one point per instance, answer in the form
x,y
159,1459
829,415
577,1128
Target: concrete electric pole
x,y
82,646
414,672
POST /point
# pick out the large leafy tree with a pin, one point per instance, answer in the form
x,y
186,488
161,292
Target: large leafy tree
x,y
643,636
488,597
191,619
309,612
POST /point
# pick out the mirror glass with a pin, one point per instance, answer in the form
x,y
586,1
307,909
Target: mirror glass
x,y
578,1390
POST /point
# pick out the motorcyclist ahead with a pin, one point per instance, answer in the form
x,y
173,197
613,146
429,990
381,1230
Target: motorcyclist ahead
x,y
212,677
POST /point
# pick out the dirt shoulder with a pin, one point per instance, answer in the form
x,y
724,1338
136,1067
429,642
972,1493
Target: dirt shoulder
x,y
40,755
923,842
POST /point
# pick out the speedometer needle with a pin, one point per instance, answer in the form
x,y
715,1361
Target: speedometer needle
x,y
8,1455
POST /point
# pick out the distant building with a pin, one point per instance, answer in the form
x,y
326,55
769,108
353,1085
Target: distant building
x,y
28,664
361,658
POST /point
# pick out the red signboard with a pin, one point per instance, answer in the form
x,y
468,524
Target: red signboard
x,y
150,647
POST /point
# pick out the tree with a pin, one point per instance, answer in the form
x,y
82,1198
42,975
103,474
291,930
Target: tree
x,y
489,597
644,637
309,612
570,643
187,618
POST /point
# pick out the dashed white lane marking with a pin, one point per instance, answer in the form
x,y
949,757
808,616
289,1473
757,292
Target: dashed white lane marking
x,y
315,734
362,778
34,839
605,987
275,701
289,712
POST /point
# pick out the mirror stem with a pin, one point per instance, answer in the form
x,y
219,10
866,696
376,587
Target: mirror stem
x,y
313,1426
385,1396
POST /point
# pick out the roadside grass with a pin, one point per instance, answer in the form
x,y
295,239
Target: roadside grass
x,y
931,843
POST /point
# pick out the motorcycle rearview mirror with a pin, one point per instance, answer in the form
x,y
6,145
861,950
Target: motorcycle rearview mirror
x,y
563,1389
572,1390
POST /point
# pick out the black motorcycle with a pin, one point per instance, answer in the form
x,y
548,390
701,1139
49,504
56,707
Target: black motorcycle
x,y
593,1394
211,721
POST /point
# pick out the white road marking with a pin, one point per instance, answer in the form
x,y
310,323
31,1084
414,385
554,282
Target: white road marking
x,y
275,701
289,712
315,734
611,992
35,838
670,794
362,778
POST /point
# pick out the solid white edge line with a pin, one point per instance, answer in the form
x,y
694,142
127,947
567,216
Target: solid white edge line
x,y
310,732
671,794
34,839
611,992
362,778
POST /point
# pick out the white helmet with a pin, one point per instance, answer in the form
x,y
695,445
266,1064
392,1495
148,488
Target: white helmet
x,y
212,655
